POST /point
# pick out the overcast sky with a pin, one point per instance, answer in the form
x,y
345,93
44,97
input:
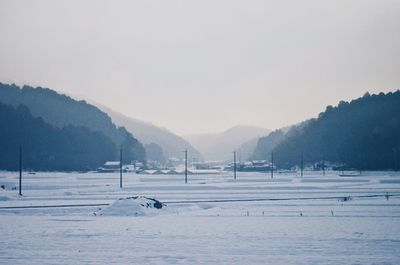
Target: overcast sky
x,y
204,66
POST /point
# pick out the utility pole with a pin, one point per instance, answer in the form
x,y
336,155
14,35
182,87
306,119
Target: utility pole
x,y
186,164
302,163
323,168
234,165
120,167
20,170
272,165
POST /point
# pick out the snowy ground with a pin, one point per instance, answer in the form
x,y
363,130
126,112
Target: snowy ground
x,y
312,224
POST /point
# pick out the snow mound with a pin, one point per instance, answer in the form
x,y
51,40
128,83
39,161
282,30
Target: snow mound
x,y
133,206
4,198
3,194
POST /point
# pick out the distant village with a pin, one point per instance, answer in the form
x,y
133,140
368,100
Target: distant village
x,y
176,166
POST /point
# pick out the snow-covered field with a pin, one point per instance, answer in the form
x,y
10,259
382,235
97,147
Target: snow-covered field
x,y
298,220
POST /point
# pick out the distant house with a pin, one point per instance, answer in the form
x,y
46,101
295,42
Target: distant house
x,y
258,163
150,172
138,165
204,172
110,166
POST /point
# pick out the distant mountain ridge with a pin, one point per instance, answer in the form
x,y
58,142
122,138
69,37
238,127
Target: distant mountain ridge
x,y
172,145
61,111
219,146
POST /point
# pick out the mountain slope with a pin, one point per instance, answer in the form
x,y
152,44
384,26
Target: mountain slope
x,y
363,133
265,145
246,150
46,147
61,110
147,133
219,146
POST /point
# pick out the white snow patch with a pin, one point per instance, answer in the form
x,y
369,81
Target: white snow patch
x,y
133,206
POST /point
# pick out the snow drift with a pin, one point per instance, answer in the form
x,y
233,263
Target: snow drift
x,y
133,206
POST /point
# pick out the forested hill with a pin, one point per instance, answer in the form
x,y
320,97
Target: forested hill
x,y
363,134
45,147
60,111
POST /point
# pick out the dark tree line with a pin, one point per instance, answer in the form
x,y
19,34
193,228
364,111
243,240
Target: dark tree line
x,y
362,134
49,148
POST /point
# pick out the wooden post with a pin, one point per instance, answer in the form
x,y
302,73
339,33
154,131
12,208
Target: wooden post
x,y
186,164
234,165
302,163
20,170
272,165
120,167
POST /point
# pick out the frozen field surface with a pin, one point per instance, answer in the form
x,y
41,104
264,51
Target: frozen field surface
x,y
213,219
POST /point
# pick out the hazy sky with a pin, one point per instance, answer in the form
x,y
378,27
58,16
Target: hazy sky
x,y
203,66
